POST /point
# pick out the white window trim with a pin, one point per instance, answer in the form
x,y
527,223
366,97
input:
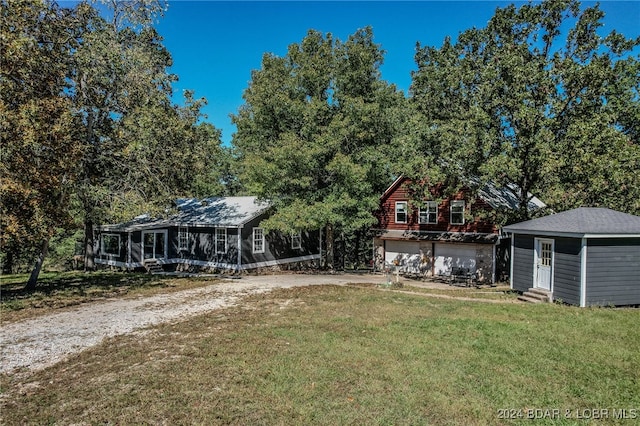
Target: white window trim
x,y
262,241
102,248
165,235
183,232
455,203
226,247
406,212
296,241
428,205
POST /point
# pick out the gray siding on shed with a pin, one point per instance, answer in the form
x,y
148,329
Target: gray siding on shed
x,y
613,271
522,262
566,270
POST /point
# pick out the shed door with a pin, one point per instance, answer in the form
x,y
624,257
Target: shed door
x,y
543,263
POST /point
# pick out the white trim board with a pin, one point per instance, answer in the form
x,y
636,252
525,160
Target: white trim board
x,y
196,262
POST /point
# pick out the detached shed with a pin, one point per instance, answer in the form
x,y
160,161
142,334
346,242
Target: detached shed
x,y
584,257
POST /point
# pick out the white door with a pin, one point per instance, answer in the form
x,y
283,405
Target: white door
x,y
543,264
154,244
449,256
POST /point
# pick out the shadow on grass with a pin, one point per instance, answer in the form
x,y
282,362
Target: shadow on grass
x,y
75,283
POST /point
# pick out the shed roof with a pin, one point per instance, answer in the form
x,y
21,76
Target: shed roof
x,y
583,221
213,211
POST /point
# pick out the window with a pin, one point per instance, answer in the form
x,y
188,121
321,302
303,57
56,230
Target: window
x,y
110,244
183,238
258,240
457,212
221,240
429,214
154,244
401,212
545,253
296,241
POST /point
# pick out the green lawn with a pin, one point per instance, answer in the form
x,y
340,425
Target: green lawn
x,y
347,355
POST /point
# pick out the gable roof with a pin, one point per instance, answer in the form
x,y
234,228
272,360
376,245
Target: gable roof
x,y
219,211
581,222
497,197
210,212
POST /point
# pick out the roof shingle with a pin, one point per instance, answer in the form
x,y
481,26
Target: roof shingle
x,y
581,221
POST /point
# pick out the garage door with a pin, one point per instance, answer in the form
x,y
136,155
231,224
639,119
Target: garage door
x,y
450,256
400,250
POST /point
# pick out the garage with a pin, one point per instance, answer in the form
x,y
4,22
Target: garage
x,y
449,256
397,251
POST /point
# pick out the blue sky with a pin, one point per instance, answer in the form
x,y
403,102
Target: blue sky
x,y
216,44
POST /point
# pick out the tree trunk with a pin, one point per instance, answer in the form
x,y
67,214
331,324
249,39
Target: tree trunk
x,y
33,278
329,255
89,263
7,265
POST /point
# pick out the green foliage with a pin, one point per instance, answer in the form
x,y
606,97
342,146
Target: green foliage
x,y
316,130
89,133
513,104
37,127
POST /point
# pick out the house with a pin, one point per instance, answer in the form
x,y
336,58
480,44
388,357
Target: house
x,y
446,235
220,233
586,256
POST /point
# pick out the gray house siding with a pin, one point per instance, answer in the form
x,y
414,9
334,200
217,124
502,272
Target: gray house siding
x,y
613,271
277,246
136,246
522,262
202,246
111,258
566,267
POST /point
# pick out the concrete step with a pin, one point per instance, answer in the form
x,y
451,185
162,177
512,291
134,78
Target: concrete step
x,y
153,267
539,291
530,299
536,294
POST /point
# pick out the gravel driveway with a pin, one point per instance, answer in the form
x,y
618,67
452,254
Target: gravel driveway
x,y
40,342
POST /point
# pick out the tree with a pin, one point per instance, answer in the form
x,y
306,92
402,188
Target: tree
x,y
513,104
314,134
38,128
88,124
141,150
119,67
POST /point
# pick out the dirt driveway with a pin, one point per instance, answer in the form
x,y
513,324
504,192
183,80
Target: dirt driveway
x,y
36,343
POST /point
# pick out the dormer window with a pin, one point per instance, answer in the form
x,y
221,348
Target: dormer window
x,y
401,212
457,212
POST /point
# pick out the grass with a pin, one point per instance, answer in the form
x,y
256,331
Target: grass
x,y
58,290
500,292
346,355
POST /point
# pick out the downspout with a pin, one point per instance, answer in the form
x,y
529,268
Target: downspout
x,y
583,273
239,266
